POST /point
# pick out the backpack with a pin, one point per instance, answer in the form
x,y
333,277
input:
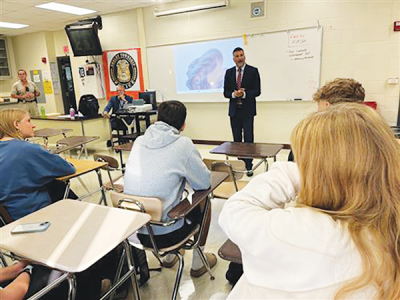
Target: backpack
x,y
88,105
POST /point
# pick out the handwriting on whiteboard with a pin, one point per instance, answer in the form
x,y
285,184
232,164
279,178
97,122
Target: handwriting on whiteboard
x,y
297,39
300,54
298,47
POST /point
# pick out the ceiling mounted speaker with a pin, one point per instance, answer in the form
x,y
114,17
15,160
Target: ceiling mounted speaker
x,y
257,10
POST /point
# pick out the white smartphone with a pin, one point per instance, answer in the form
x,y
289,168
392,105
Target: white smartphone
x,y
31,227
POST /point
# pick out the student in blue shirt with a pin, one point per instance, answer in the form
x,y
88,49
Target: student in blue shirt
x,y
25,168
26,171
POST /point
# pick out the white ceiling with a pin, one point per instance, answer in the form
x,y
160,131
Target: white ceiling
x,y
38,19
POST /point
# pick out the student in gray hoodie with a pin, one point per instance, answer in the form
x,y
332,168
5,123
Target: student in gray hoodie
x,y
159,165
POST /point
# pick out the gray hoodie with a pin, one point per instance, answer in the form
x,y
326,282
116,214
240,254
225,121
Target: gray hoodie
x,y
160,163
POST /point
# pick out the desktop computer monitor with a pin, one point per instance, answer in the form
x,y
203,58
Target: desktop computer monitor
x,y
149,98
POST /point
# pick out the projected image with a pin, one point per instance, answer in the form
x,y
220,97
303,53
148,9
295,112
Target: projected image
x,y
200,67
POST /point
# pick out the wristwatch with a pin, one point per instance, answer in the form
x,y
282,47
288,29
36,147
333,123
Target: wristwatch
x,y
28,269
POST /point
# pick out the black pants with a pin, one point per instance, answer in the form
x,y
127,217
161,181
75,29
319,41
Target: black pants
x,y
56,190
88,282
172,238
243,126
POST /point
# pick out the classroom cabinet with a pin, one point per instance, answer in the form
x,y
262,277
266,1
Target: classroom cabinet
x,y
5,70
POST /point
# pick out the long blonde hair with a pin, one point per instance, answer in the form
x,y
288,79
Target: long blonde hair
x,y
7,119
349,163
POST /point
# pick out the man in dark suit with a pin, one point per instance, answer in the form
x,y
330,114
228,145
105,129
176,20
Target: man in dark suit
x,y
115,104
242,86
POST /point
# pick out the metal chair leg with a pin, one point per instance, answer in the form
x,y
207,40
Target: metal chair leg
x,y
119,270
205,262
83,184
72,287
178,275
3,260
130,261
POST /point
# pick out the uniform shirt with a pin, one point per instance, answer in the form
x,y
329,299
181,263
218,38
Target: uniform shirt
x,y
19,89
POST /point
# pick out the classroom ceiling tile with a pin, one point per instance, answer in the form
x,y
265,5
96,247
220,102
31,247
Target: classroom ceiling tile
x,y
20,11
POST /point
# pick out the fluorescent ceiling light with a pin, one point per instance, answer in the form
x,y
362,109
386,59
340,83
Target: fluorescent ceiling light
x,y
12,25
190,9
66,8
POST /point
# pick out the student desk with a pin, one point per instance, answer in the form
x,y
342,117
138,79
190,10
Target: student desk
x,y
83,167
249,150
123,147
122,114
73,142
45,133
80,234
82,126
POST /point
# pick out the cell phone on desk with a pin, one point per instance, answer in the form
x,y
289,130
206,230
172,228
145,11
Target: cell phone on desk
x,y
31,227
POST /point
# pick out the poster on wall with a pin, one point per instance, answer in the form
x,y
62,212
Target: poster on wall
x,y
123,67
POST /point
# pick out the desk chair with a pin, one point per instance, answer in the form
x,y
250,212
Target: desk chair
x,y
230,251
128,133
235,168
113,165
154,207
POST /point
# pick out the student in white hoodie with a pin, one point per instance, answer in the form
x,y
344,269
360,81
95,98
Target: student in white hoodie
x,y
159,165
340,239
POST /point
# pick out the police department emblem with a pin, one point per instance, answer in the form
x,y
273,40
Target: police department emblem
x,y
123,70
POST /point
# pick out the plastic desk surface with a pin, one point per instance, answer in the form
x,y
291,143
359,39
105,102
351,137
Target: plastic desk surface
x,y
80,234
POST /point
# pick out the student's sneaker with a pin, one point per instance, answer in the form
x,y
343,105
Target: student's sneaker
x,y
212,261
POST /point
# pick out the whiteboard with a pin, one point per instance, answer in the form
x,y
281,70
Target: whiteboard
x,y
289,63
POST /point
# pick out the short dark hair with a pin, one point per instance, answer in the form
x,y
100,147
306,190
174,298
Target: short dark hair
x,y
173,113
236,50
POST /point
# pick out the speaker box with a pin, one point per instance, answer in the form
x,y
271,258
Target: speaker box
x,y
257,10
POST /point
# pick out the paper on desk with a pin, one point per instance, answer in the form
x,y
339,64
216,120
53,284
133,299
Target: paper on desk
x,y
189,193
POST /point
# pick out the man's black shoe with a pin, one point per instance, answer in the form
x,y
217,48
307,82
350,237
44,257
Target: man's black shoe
x,y
250,173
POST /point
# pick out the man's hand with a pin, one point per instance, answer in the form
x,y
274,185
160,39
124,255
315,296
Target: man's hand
x,y
106,115
238,93
29,95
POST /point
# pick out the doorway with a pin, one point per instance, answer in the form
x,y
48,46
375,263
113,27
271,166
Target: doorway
x,y
67,83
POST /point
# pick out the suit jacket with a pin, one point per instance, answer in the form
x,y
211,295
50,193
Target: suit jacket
x,y
251,85
114,103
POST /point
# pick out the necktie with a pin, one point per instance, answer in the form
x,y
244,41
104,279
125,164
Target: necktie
x,y
239,78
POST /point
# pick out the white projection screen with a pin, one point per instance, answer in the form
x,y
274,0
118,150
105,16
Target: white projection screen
x,y
289,63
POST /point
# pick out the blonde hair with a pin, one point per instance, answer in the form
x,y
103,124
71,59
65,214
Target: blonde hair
x,y
349,163
340,90
7,119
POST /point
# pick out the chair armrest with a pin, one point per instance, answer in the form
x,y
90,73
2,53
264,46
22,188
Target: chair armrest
x,y
184,207
181,210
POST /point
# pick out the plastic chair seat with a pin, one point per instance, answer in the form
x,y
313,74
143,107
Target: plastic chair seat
x,y
227,189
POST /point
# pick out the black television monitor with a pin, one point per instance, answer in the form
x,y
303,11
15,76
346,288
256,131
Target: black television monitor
x,y
149,98
84,39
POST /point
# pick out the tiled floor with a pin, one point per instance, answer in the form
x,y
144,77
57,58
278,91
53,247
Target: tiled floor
x,y
161,284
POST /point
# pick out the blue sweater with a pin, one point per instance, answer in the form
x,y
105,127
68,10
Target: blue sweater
x,y
25,169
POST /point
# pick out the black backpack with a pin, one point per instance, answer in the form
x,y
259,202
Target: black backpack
x,y
88,105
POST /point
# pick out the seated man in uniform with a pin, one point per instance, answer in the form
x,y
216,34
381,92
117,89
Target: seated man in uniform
x,y
159,165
